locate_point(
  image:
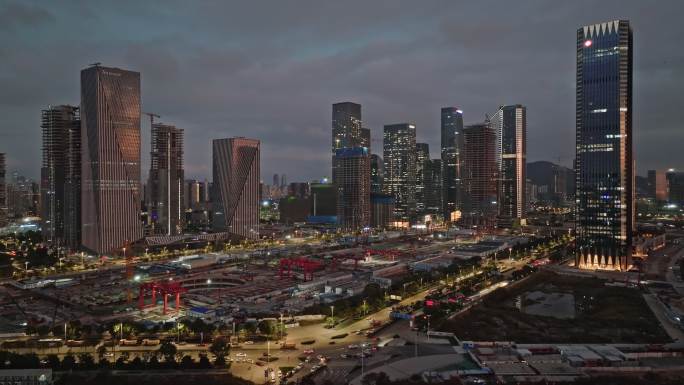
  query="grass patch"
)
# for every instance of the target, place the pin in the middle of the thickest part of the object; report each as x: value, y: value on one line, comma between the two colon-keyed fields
x: 308, y: 342
x: 338, y: 336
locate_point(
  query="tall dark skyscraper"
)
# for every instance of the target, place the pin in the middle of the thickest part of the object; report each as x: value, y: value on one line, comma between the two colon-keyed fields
x: 3, y: 190
x: 399, y: 158
x: 451, y: 147
x: 346, y: 128
x: 353, y: 187
x: 604, y: 162
x: 376, y: 173
x: 60, y: 175
x: 110, y: 139
x: 433, y: 187
x: 479, y: 174
x: 510, y: 124
x: 236, y: 168
x: 166, y: 178
x: 422, y: 177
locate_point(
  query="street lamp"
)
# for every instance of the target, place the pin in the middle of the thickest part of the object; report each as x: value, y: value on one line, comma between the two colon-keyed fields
x: 332, y: 314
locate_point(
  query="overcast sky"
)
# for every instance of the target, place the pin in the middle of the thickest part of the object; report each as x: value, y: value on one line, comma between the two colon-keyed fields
x: 271, y: 70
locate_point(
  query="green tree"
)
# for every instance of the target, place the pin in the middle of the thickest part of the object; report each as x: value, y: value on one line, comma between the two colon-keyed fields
x: 187, y: 362
x: 220, y: 348
x: 168, y: 350
x: 86, y: 361
x: 68, y: 362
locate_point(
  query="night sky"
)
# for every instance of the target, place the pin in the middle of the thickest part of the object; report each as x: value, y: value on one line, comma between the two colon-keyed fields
x: 271, y: 70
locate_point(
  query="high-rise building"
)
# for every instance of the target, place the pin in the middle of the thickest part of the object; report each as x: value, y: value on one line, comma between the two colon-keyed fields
x: 657, y: 185
x: 510, y: 125
x: 166, y: 178
x: 604, y: 162
x: 433, y: 187
x: 399, y: 168
x: 3, y: 190
x: 376, y: 173
x: 422, y: 177
x: 346, y: 128
x: 236, y: 167
x: 353, y: 187
x: 451, y: 147
x: 382, y: 210
x: 675, y: 187
x: 365, y: 139
x: 110, y: 142
x: 60, y: 175
x: 479, y: 174
x: 23, y: 197
x: 323, y: 203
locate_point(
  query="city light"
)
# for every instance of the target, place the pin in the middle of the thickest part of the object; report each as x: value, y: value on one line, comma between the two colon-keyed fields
x: 587, y: 43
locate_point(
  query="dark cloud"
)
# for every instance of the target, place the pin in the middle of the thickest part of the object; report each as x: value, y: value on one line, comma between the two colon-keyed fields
x: 271, y: 71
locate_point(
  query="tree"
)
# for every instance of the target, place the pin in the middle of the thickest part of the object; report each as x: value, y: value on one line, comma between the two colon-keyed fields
x: 136, y: 363
x: 101, y: 351
x: 53, y: 361
x: 204, y: 362
x: 86, y: 361
x: 168, y: 350
x: 68, y: 362
x: 187, y: 362
x: 220, y: 348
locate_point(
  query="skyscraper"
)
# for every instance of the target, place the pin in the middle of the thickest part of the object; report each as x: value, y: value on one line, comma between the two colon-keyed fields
x: 236, y: 168
x: 422, y: 177
x: 451, y: 147
x: 433, y: 187
x: 657, y: 185
x: 165, y: 181
x: 376, y: 173
x: 346, y: 128
x: 353, y: 187
x: 399, y: 158
x: 479, y: 174
x: 510, y: 125
x: 60, y: 175
x: 365, y: 139
x: 110, y: 139
x: 604, y: 162
x: 3, y: 190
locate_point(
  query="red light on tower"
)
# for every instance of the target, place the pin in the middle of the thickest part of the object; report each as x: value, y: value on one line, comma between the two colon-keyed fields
x: 587, y: 43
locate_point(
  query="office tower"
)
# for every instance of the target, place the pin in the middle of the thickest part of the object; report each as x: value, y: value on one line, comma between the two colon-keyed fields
x: 283, y: 181
x: 3, y: 190
x: 479, y: 174
x: 552, y: 183
x: 236, y: 168
x: 376, y: 173
x: 657, y: 185
x: 451, y: 147
x: 510, y: 125
x: 60, y: 175
x: 110, y: 161
x: 604, y: 162
x: 422, y: 177
x: 675, y: 187
x: 276, y: 180
x: 353, y: 187
x: 192, y: 195
x: 399, y: 166
x: 366, y: 139
x: 346, y: 128
x: 165, y: 181
x: 382, y: 210
x: 433, y: 187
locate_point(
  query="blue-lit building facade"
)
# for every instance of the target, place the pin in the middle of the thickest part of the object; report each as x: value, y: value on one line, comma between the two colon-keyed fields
x: 353, y: 187
x: 604, y: 163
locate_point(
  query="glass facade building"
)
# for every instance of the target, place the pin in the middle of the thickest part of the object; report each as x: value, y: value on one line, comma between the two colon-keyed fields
x: 399, y: 158
x: 604, y: 163
x: 510, y: 124
x: 451, y: 148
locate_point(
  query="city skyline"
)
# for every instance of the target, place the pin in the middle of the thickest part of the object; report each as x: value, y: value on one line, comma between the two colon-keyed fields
x: 208, y: 111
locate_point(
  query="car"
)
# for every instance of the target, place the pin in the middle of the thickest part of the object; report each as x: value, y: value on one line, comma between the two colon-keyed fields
x: 240, y: 354
x: 249, y: 342
x: 344, y: 355
x: 353, y: 346
x: 308, y: 351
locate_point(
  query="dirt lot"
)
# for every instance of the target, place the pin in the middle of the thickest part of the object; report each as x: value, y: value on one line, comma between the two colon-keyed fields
x: 604, y: 314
